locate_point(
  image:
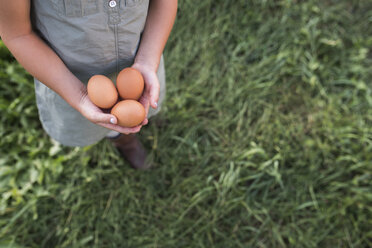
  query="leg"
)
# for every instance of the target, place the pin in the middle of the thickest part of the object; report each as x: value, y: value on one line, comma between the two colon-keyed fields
x: 132, y: 150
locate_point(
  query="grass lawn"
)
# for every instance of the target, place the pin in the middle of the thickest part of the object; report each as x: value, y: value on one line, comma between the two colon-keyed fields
x: 265, y: 140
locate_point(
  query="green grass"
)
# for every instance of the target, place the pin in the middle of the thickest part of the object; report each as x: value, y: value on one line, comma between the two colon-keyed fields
x: 265, y: 140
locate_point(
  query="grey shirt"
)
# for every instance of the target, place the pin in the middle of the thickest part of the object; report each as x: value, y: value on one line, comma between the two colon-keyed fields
x: 91, y: 37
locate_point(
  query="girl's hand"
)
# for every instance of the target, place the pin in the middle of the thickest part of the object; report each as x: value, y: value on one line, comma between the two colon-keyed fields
x: 150, y: 94
x: 97, y: 116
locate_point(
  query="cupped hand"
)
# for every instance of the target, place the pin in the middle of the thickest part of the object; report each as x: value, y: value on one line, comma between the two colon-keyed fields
x: 150, y: 94
x: 94, y: 114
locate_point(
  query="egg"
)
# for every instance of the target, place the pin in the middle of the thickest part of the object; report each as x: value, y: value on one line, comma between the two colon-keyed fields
x: 102, y: 91
x: 130, y: 84
x: 129, y: 113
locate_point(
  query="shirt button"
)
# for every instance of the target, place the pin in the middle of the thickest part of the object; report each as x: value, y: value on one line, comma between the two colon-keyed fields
x: 112, y: 4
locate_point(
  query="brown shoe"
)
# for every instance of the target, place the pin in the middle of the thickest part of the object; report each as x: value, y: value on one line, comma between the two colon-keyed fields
x: 131, y: 148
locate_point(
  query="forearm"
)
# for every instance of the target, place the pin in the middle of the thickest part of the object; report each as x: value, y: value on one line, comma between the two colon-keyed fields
x: 159, y: 23
x: 44, y: 64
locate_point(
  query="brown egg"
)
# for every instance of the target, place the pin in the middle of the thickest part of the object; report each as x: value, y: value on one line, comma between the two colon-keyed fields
x: 102, y: 91
x: 130, y: 84
x: 129, y: 113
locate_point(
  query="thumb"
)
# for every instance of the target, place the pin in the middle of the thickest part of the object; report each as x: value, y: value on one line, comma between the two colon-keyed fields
x: 106, y: 118
x: 154, y: 93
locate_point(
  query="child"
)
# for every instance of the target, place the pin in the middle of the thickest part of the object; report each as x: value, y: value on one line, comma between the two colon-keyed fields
x: 63, y: 43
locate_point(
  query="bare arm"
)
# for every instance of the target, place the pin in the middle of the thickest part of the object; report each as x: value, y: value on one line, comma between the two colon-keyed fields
x: 33, y: 54
x: 44, y: 64
x: 159, y: 23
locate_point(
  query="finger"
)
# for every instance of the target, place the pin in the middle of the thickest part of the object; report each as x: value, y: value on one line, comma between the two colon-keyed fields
x: 105, y: 118
x: 120, y: 130
x: 117, y: 128
x: 144, y: 100
x: 144, y: 122
x: 154, y: 93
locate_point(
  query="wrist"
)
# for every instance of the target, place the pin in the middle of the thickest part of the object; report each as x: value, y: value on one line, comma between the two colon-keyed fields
x: 76, y: 95
x: 82, y: 96
x: 150, y: 64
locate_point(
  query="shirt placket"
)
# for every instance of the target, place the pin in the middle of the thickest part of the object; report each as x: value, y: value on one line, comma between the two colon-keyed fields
x: 113, y: 10
x: 113, y: 20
